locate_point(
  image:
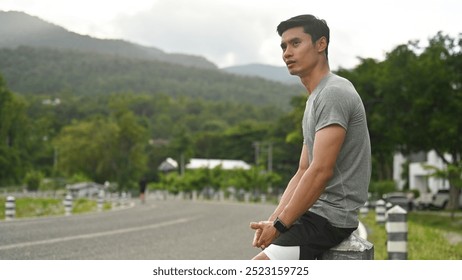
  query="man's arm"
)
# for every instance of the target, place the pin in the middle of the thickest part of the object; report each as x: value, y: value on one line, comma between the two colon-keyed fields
x: 327, y: 145
x: 292, y: 185
x: 286, y: 196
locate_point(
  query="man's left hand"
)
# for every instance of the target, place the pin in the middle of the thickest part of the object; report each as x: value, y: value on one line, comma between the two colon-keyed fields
x: 265, y: 234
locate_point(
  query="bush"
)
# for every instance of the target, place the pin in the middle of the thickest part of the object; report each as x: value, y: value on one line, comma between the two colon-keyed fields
x: 380, y: 188
x: 79, y: 177
x: 33, y: 180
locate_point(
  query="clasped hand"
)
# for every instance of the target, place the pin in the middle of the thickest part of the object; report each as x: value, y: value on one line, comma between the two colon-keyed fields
x: 265, y: 233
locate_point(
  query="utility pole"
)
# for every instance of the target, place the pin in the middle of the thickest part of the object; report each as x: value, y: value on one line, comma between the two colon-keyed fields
x: 182, y: 164
x: 260, y: 146
x: 257, y: 152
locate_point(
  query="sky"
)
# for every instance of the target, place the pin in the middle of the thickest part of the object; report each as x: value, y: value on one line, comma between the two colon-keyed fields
x: 239, y: 32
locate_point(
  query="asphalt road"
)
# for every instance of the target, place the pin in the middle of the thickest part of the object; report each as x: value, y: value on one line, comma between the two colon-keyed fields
x: 157, y: 230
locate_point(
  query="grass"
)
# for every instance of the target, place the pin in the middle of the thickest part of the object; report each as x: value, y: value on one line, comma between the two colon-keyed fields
x: 427, y: 236
x: 38, y: 207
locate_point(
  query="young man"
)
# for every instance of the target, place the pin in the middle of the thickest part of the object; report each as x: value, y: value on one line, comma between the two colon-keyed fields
x: 319, y: 207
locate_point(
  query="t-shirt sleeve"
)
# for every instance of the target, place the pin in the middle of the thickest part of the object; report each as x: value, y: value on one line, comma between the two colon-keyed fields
x: 332, y: 107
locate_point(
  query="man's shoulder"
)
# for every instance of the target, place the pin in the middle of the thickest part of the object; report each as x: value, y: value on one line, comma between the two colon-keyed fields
x: 336, y: 80
x: 338, y: 87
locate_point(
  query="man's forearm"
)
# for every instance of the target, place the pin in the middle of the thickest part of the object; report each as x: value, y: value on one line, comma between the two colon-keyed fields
x: 307, y: 192
x: 287, y: 195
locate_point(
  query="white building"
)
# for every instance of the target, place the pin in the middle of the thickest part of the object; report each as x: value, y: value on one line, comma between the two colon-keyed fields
x: 226, y: 164
x: 195, y: 163
x: 419, y: 177
x: 168, y: 165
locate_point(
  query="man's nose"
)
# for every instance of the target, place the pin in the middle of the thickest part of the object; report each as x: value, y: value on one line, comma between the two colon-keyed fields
x: 287, y: 53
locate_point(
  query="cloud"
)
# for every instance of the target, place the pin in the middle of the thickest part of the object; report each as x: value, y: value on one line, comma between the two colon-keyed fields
x: 230, y: 32
x: 225, y: 32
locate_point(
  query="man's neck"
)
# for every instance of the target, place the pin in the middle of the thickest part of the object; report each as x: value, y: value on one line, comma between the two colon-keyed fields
x: 312, y: 80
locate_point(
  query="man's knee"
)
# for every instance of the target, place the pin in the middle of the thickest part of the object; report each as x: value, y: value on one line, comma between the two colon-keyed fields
x: 261, y: 256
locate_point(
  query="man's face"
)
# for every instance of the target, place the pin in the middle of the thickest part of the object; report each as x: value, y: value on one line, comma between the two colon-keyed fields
x: 298, y: 51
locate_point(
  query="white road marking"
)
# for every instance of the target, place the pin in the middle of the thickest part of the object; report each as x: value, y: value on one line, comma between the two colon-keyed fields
x: 96, y: 234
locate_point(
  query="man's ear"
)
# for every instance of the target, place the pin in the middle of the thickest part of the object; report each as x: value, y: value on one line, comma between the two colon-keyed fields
x: 322, y: 44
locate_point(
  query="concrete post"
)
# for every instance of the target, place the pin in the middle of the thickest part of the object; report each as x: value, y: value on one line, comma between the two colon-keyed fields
x: 221, y: 196
x: 247, y: 197
x: 388, y: 206
x: 10, y: 208
x: 194, y: 195
x: 100, y: 200
x: 365, y: 209
x: 123, y: 199
x: 397, y: 233
x: 380, y: 212
x: 352, y: 248
x: 68, y: 205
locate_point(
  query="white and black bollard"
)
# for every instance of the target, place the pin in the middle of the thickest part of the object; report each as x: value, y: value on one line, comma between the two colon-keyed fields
x: 194, y: 195
x: 123, y: 199
x: 247, y: 197
x: 380, y: 212
x: 388, y: 206
x: 397, y: 233
x: 10, y: 208
x: 365, y: 209
x: 100, y: 200
x: 68, y: 205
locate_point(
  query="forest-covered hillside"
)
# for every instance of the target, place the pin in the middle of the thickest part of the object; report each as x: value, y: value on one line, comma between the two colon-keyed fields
x: 30, y: 70
x: 76, y: 105
x: 38, y: 57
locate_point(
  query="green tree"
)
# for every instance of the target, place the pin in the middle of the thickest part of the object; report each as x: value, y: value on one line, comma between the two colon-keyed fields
x: 33, y: 180
x: 130, y: 156
x: 14, y: 137
x: 88, y: 147
x: 423, y: 93
x: 441, y: 65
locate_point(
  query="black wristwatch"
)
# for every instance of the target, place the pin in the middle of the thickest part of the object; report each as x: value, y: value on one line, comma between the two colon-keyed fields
x: 280, y: 226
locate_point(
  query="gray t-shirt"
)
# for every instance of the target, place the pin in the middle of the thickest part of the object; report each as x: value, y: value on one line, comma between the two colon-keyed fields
x: 335, y: 101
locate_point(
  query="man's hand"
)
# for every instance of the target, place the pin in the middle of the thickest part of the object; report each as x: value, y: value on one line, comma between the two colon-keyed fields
x: 264, y: 235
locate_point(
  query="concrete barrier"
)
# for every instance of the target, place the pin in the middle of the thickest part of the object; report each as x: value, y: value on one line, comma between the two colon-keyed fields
x: 364, y: 210
x: 352, y: 248
x: 380, y: 212
x: 10, y: 208
x: 68, y: 205
x: 100, y: 202
x: 397, y: 233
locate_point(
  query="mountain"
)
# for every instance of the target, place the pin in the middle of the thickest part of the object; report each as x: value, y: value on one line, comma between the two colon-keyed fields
x: 45, y: 71
x: 20, y: 29
x: 37, y: 57
x: 268, y: 72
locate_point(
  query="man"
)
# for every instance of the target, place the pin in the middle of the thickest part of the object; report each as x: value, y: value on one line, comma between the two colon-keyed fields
x: 142, y: 183
x: 319, y: 207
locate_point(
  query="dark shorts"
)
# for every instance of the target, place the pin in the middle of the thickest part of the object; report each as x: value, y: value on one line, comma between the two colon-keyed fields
x: 314, y: 234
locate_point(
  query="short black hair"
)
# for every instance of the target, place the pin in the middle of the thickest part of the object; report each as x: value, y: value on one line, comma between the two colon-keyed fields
x: 313, y: 26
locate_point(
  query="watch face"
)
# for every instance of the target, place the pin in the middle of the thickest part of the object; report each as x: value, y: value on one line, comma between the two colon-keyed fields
x: 279, y: 226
